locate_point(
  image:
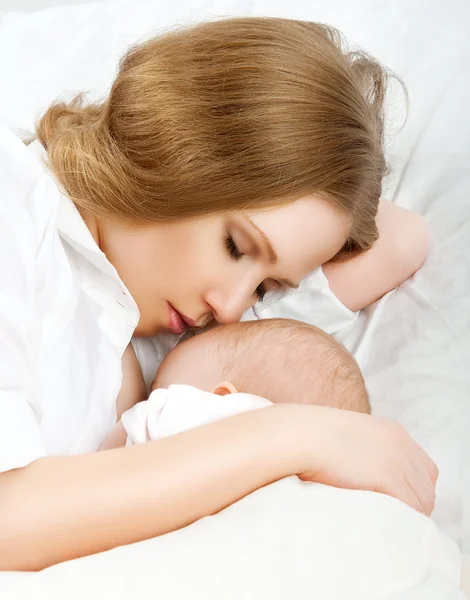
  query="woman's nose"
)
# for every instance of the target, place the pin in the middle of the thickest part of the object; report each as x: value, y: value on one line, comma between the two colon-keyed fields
x: 227, y: 307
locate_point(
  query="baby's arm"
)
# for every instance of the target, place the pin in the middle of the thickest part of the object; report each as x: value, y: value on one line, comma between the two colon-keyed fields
x: 398, y: 253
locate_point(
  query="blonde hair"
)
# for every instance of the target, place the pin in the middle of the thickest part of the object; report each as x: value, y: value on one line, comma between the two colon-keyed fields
x: 288, y: 361
x: 228, y: 115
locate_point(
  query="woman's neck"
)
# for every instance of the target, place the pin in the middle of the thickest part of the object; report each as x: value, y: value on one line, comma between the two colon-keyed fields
x: 92, y: 223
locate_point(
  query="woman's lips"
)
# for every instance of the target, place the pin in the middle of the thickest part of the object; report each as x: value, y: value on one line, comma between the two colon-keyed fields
x: 178, y: 323
x: 188, y: 322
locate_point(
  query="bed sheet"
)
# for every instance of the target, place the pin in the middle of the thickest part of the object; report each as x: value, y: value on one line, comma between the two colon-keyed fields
x: 413, y: 345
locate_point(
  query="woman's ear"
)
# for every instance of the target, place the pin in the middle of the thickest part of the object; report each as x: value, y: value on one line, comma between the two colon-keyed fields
x: 224, y: 388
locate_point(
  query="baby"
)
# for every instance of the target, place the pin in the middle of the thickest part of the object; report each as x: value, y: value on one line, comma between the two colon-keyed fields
x: 257, y: 363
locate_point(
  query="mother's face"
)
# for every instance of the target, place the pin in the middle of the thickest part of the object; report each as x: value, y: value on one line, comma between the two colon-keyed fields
x: 189, y: 272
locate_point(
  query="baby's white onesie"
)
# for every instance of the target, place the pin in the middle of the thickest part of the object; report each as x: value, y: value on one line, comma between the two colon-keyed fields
x: 181, y: 407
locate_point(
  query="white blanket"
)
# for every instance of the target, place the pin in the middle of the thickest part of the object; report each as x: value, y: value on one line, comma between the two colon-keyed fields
x: 414, y: 346
x: 280, y: 543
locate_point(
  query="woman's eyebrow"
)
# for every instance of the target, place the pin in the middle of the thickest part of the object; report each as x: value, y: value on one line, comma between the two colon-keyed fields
x: 269, y: 247
x: 271, y: 252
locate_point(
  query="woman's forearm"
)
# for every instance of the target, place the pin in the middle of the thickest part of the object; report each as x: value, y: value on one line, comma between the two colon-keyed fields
x: 62, y: 508
x: 398, y: 253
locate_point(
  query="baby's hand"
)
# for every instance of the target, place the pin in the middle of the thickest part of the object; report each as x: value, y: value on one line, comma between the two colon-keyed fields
x: 357, y: 451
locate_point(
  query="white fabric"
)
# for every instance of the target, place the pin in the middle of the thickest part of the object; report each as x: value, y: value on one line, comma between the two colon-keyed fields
x: 312, y: 302
x: 465, y: 574
x: 65, y: 318
x: 181, y: 407
x: 290, y: 540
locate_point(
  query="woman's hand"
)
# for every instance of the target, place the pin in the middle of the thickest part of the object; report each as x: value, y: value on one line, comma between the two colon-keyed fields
x: 357, y: 451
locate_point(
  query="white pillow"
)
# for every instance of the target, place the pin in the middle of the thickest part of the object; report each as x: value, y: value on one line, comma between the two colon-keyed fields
x: 290, y: 540
x: 76, y: 48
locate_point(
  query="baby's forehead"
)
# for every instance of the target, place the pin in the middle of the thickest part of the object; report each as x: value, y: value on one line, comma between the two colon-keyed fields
x: 244, y: 344
x: 202, y: 346
x: 215, y: 349
x: 272, y: 339
x: 252, y: 336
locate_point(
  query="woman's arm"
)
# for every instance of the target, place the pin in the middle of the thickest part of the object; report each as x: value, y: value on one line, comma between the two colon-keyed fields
x: 61, y: 508
x: 398, y: 253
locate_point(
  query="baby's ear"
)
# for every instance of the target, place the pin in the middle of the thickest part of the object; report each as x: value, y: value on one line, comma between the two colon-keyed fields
x: 224, y: 388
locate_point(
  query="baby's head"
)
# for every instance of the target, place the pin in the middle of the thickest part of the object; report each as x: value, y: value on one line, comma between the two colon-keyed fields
x: 279, y: 359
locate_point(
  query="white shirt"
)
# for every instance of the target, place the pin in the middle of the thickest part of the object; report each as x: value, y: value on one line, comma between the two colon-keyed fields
x: 65, y: 317
x: 182, y: 407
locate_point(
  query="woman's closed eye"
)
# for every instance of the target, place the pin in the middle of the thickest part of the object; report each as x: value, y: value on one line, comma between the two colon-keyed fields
x: 268, y: 285
x: 232, y: 248
x: 235, y: 254
x: 260, y: 292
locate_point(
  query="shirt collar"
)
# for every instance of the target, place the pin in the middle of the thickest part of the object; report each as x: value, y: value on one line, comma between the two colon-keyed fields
x: 71, y: 226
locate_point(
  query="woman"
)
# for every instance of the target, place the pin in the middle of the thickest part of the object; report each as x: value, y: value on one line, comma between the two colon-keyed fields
x: 229, y: 159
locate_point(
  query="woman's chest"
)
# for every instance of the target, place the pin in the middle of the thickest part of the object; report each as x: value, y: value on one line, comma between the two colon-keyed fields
x: 84, y: 333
